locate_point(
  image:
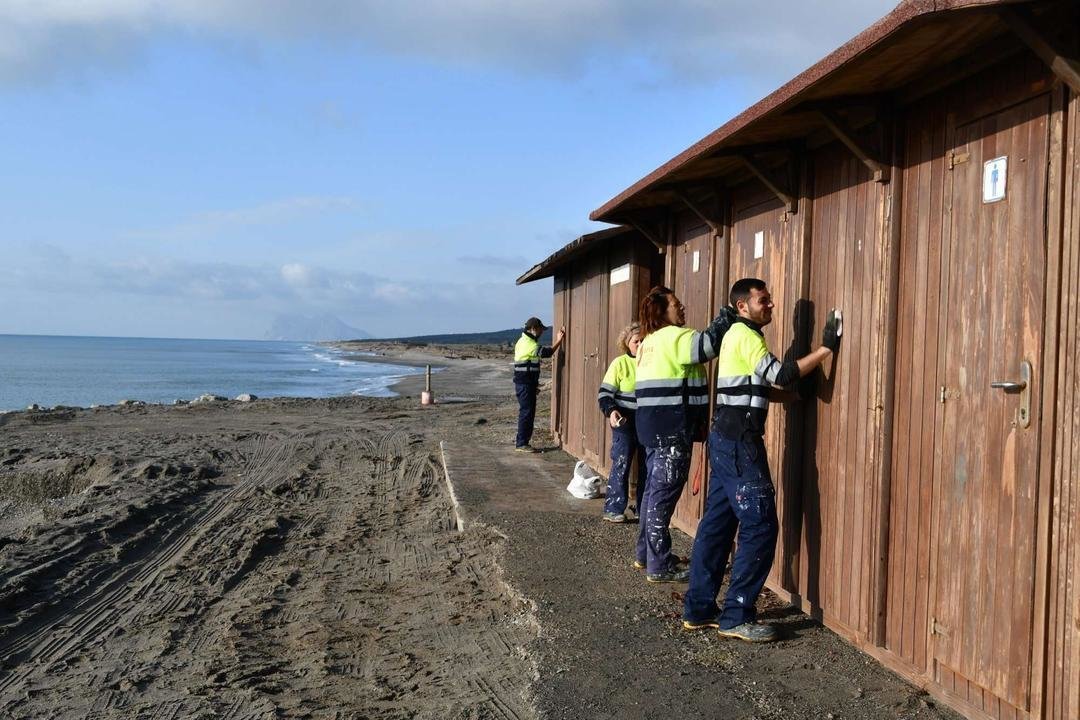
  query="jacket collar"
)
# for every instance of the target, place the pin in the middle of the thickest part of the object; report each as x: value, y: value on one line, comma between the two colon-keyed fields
x: 750, y: 324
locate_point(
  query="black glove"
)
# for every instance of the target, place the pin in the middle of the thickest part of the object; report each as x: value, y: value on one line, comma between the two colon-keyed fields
x: 834, y: 328
x: 715, y: 332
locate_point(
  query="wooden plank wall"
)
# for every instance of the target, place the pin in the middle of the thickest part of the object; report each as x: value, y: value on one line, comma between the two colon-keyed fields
x: 583, y: 293
x: 560, y: 388
x: 574, y: 353
x: 595, y: 324
x: 915, y: 403
x: 1063, y: 617
x: 621, y: 309
x: 756, y: 210
x: 848, y: 269
x: 692, y: 287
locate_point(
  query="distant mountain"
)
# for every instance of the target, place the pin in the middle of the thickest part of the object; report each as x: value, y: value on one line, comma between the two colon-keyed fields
x: 495, y: 337
x: 313, y: 328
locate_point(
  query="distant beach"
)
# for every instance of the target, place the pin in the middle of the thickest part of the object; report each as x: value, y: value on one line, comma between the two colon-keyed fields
x: 84, y: 371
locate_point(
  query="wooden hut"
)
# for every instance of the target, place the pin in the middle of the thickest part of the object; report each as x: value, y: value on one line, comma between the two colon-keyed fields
x: 924, y: 177
x: 599, y: 280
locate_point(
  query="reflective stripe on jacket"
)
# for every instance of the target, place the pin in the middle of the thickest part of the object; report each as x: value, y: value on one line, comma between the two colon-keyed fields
x: 527, y: 354
x: 617, y: 387
x: 671, y: 389
x: 745, y: 373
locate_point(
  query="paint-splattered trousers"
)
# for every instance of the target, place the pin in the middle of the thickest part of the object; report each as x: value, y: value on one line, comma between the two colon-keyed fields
x: 668, y: 469
x: 624, y: 448
x: 526, y: 395
x: 741, y: 499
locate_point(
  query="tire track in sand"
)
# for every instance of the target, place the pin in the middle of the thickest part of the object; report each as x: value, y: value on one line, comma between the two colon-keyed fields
x: 106, y: 606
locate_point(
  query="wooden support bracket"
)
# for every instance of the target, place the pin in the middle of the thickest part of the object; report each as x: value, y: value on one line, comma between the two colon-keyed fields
x: 714, y: 224
x: 1066, y: 65
x: 844, y: 135
x: 650, y: 234
x: 789, y: 200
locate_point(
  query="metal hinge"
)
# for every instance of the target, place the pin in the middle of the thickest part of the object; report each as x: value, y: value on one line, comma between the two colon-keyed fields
x: 958, y: 158
x: 945, y: 393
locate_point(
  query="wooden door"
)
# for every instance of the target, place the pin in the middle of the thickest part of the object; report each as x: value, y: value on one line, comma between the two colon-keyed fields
x: 761, y: 247
x: 692, y: 262
x: 987, y: 470
x: 593, y: 324
x: 573, y: 351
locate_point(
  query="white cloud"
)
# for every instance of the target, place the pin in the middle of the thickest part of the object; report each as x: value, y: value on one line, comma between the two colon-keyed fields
x: 677, y: 40
x: 274, y: 213
x: 395, y: 293
x: 297, y: 275
x: 201, y: 292
x: 512, y: 262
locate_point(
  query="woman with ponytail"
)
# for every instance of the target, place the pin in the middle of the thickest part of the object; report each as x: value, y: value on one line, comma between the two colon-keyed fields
x: 672, y: 398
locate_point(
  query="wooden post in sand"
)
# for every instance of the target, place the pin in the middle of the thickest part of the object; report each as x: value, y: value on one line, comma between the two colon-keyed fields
x: 426, y: 398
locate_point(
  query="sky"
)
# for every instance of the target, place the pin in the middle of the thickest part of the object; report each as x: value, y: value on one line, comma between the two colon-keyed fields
x: 198, y: 168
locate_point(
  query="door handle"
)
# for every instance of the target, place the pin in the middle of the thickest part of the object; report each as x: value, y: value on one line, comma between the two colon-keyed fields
x: 1023, y: 387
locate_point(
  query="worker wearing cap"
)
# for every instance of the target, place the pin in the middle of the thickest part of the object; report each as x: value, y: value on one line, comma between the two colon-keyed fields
x: 527, y: 354
x: 741, y: 495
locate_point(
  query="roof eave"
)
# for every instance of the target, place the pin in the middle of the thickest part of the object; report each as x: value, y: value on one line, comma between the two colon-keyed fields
x: 791, y: 92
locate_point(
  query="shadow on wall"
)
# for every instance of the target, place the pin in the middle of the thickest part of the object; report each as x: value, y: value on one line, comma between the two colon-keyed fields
x: 802, y: 496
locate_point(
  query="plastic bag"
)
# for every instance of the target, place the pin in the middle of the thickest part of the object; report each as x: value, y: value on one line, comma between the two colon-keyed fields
x: 585, y: 484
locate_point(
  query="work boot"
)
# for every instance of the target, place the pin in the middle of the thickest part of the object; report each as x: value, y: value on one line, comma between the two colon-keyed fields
x: 751, y: 632
x: 525, y: 448
x: 672, y: 575
x: 614, y: 517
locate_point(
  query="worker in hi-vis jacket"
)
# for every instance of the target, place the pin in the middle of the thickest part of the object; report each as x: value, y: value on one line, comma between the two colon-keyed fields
x: 672, y: 410
x: 618, y: 404
x: 527, y: 354
x: 741, y: 498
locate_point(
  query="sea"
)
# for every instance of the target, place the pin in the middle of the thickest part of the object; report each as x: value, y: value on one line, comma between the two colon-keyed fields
x: 52, y: 370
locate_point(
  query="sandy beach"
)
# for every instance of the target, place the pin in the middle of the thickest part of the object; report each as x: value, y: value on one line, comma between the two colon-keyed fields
x: 301, y: 559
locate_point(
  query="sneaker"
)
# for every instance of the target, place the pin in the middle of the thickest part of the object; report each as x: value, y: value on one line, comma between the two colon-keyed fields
x: 674, y: 575
x: 614, y: 517
x: 525, y: 449
x: 638, y: 564
x: 713, y: 622
x: 751, y: 632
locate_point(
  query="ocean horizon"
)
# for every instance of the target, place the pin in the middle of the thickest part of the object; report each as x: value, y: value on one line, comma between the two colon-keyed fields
x: 81, y: 371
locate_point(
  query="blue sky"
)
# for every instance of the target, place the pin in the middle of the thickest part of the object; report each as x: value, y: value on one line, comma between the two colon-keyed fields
x: 194, y: 169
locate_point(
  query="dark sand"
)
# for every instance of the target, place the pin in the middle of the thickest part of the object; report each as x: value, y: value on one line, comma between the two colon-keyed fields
x: 300, y: 558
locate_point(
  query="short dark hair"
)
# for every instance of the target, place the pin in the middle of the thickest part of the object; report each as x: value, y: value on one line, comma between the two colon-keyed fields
x: 740, y: 291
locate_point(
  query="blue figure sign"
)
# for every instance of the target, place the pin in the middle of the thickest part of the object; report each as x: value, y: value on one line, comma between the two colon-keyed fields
x: 995, y: 176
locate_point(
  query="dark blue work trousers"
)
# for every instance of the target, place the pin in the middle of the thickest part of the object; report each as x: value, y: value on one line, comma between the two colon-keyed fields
x: 668, y: 469
x: 526, y: 395
x: 741, y: 500
x: 624, y: 448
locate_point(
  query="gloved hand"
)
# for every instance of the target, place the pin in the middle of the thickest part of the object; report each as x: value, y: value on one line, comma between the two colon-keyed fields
x: 721, y: 324
x: 834, y: 328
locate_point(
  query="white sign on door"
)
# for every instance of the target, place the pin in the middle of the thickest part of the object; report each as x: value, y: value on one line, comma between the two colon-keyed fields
x: 759, y: 244
x: 697, y: 260
x: 620, y: 274
x: 995, y: 173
